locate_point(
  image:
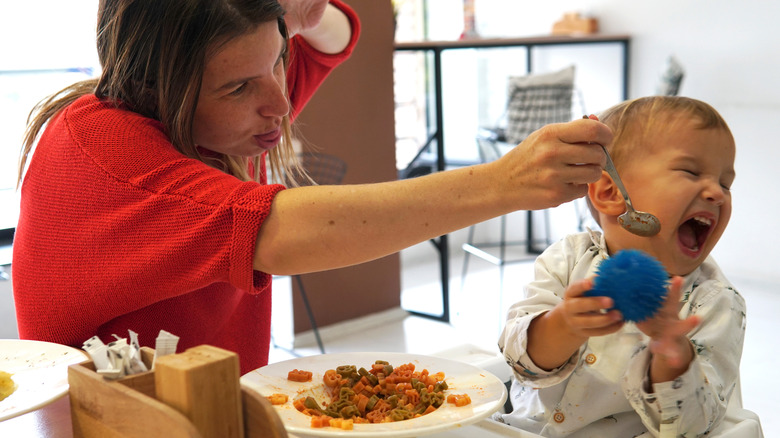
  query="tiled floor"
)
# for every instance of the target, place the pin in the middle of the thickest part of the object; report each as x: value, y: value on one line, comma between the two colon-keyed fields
x: 477, y: 320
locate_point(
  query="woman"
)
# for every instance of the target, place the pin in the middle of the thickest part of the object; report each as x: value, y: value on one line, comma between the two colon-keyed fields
x: 146, y: 205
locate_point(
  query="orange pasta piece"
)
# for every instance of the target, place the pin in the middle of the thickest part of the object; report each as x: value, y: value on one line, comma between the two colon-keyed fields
x: 413, y: 396
x: 331, y: 378
x: 277, y: 399
x: 361, y: 404
x: 375, y: 416
x: 299, y: 376
x: 320, y: 421
x: 342, y: 424
x: 459, y: 399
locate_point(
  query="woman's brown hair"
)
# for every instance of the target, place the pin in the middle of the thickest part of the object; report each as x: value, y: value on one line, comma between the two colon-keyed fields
x: 153, y: 54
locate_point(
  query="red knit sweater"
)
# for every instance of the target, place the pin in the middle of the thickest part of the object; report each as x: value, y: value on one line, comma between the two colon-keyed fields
x: 119, y: 231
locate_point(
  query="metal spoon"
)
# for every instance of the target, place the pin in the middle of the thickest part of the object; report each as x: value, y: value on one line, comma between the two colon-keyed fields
x: 637, y: 222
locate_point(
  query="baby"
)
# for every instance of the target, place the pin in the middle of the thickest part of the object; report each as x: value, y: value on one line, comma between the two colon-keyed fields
x: 580, y: 371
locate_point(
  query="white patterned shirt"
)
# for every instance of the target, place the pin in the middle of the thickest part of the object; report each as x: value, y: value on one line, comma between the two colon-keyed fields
x: 599, y: 391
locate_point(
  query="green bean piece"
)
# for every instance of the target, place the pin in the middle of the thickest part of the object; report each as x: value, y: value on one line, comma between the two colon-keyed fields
x: 371, y: 403
x: 348, y: 372
x: 399, y: 414
x: 425, y: 397
x: 393, y: 400
x: 334, y: 409
x: 437, y: 399
x: 346, y: 393
x: 382, y: 362
x: 310, y: 403
x: 349, y: 411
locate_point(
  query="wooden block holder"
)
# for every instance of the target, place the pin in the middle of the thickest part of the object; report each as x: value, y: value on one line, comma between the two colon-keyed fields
x: 129, y: 407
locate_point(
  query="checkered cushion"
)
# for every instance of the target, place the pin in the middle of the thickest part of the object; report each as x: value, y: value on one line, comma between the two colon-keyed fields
x: 537, y: 100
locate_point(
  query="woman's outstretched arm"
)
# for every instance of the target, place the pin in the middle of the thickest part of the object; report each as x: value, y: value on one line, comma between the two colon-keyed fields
x: 325, y: 227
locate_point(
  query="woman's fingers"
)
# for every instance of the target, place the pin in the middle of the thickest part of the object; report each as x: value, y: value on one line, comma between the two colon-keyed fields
x: 586, y: 131
x: 555, y: 163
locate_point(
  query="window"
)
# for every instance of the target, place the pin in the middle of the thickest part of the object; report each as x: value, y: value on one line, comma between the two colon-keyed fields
x: 42, y: 52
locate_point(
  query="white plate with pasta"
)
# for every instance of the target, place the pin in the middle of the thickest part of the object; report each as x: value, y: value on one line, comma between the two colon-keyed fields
x: 40, y: 372
x: 486, y: 391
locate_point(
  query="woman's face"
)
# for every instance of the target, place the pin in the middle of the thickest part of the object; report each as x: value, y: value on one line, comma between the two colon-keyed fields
x: 243, y: 95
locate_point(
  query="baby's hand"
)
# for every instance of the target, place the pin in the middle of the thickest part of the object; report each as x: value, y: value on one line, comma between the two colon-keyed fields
x: 668, y: 332
x: 588, y: 316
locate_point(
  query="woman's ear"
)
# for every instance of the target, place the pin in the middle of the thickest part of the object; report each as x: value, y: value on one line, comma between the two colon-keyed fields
x: 605, y: 196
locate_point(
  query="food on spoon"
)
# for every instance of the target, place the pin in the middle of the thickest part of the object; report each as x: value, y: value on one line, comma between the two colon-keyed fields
x: 7, y: 385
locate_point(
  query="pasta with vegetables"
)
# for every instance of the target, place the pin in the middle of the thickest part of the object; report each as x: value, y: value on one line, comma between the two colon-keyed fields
x: 381, y: 394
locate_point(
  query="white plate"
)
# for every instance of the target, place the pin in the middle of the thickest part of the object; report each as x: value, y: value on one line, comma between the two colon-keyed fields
x: 486, y: 391
x: 40, y: 370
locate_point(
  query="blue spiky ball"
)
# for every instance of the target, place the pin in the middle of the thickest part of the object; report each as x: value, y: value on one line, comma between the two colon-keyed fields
x: 635, y: 281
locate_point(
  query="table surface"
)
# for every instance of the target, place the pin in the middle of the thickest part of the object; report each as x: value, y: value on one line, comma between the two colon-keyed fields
x: 53, y: 421
x: 50, y: 421
x: 502, y: 42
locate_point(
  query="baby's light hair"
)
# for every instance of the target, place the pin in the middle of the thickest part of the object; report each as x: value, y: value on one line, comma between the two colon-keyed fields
x: 635, y: 122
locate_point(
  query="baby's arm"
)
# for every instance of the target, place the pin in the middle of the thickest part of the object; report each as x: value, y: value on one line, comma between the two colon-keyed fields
x: 671, y: 350
x: 554, y: 336
x: 537, y: 325
x: 695, y: 401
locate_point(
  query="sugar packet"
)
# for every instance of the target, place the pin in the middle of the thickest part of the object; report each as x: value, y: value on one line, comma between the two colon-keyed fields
x: 121, y: 358
x: 165, y: 344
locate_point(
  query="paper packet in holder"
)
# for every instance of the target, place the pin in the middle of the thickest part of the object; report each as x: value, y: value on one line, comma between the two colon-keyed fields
x: 120, y: 358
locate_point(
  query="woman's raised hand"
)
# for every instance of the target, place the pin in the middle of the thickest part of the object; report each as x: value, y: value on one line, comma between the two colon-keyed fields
x: 302, y: 15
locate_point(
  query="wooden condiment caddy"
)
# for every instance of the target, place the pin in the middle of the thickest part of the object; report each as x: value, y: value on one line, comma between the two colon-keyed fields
x: 194, y: 394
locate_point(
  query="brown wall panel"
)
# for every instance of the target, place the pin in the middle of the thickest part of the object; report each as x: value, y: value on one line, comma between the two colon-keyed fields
x: 351, y: 116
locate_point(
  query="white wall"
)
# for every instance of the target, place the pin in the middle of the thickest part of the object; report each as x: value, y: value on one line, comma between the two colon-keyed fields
x: 729, y: 51
x: 728, y: 48
x: 42, y: 43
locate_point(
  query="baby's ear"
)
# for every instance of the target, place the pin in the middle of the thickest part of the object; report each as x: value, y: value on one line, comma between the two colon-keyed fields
x: 605, y: 196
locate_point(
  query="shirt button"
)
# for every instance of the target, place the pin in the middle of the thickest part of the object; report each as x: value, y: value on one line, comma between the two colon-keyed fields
x: 590, y: 359
x: 558, y: 417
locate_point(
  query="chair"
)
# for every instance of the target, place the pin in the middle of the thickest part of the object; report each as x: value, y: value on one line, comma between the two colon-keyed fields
x: 323, y: 169
x: 738, y: 422
x: 671, y: 78
x: 534, y: 101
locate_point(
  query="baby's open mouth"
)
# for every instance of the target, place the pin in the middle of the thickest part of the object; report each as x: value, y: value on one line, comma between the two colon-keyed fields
x: 693, y: 232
